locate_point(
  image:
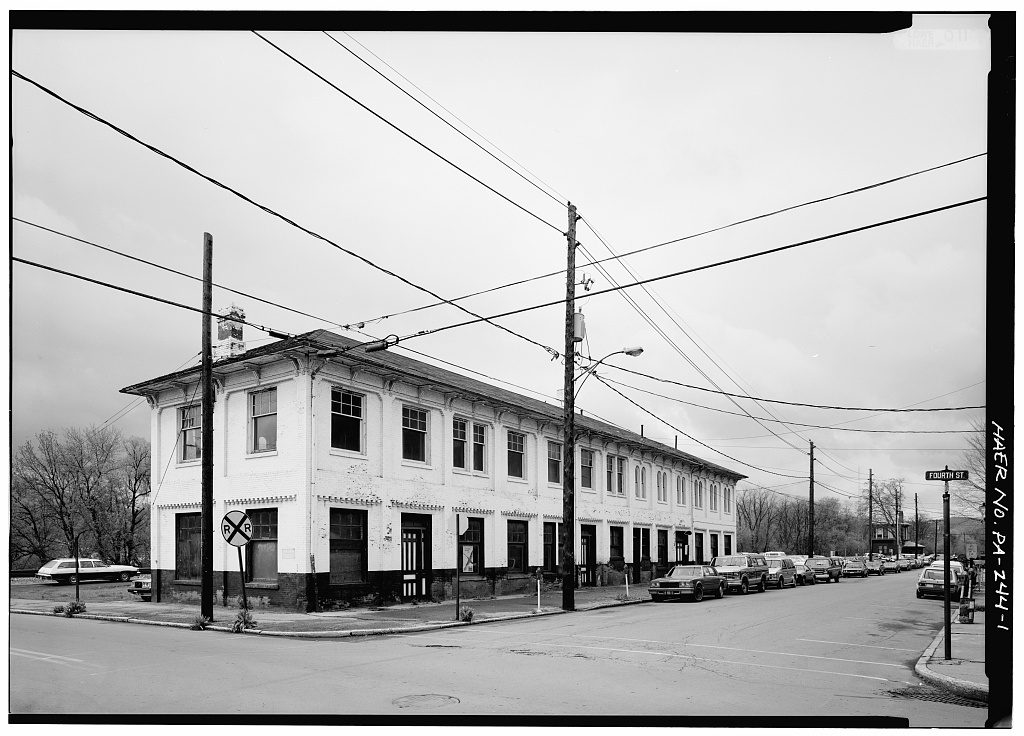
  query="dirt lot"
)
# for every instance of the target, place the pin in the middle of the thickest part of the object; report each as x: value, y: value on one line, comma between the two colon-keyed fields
x: 90, y: 590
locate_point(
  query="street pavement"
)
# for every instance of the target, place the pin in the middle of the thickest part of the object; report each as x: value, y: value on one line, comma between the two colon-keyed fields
x: 964, y: 674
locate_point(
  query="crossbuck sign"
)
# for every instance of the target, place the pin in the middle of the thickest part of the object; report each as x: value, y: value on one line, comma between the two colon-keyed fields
x: 236, y: 528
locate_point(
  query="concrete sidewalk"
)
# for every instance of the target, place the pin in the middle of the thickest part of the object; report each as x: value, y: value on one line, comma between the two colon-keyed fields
x: 964, y: 674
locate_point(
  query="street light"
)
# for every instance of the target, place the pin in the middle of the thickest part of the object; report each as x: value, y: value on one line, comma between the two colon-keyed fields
x: 631, y: 352
x: 569, y: 461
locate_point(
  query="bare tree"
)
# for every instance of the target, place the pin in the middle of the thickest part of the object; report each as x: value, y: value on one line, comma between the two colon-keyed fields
x: 757, y: 510
x: 89, y: 485
x: 968, y: 496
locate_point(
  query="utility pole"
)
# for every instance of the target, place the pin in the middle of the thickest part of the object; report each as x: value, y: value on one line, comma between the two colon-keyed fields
x: 206, y: 601
x: 810, y: 532
x: 569, y: 427
x: 870, y: 494
x: 899, y: 547
x: 917, y: 525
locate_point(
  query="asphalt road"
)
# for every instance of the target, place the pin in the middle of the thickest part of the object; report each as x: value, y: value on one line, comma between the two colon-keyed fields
x: 841, y: 649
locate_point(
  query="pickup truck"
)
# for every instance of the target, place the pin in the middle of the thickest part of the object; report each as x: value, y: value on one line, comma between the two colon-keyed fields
x: 742, y: 571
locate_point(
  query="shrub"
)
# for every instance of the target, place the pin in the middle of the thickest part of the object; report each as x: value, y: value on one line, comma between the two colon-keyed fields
x: 200, y: 623
x: 466, y: 614
x: 243, y: 620
x: 70, y: 609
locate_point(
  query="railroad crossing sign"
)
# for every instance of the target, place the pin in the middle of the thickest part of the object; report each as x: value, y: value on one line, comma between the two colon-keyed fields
x: 946, y: 474
x: 236, y: 528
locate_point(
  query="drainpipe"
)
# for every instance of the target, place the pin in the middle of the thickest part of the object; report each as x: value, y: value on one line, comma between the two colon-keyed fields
x: 311, y: 479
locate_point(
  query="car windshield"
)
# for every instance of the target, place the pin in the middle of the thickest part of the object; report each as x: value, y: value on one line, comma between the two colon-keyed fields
x: 774, y: 562
x: 817, y: 563
x: 727, y: 561
x: 51, y: 563
x: 853, y: 563
x: 685, y: 572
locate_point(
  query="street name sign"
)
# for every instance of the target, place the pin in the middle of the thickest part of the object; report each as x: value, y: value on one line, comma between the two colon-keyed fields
x: 236, y: 528
x: 945, y: 475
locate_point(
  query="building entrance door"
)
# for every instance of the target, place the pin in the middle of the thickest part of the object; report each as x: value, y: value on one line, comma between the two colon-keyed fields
x: 588, y: 553
x: 415, y: 556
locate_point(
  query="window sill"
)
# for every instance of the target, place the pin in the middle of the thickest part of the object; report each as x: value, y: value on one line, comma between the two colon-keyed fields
x: 470, y: 473
x: 514, y: 479
x: 254, y: 585
x: 265, y: 453
x: 189, y: 463
x: 354, y: 454
x: 422, y: 465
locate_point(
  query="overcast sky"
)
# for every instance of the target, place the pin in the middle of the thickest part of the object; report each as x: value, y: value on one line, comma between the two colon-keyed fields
x: 654, y: 137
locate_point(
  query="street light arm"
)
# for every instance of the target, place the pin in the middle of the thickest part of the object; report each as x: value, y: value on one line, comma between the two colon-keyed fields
x: 631, y: 352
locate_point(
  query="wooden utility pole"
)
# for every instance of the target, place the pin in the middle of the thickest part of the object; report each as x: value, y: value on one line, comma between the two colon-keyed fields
x: 899, y: 547
x: 870, y: 535
x: 569, y: 427
x: 810, y: 531
x: 917, y: 524
x: 206, y: 602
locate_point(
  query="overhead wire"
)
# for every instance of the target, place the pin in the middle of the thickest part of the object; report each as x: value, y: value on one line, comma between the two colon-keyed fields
x: 274, y: 213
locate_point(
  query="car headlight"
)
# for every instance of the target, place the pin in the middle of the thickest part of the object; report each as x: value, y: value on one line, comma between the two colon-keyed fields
x: 655, y: 584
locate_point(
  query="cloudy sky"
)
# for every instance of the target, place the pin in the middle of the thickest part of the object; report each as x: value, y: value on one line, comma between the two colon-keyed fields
x: 655, y: 137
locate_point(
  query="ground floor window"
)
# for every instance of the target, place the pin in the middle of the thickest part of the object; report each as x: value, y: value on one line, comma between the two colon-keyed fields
x: 471, y: 547
x: 663, y: 545
x: 262, y: 548
x: 615, y: 548
x: 698, y: 547
x: 714, y: 546
x: 518, y: 547
x: 728, y: 544
x: 348, y: 546
x: 552, y: 546
x: 188, y: 546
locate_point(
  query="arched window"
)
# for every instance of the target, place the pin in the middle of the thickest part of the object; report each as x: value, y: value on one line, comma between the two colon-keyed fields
x: 680, y: 490
x: 636, y: 481
x: 643, y: 482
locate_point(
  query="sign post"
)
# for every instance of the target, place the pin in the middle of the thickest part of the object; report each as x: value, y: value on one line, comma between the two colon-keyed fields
x: 946, y: 475
x: 237, y: 530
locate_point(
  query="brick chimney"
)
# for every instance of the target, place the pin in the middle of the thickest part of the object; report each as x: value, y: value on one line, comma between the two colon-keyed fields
x: 229, y: 333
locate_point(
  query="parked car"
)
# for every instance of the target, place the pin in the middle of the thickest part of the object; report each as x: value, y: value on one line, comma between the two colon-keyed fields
x: 874, y: 567
x: 825, y: 568
x: 855, y: 567
x: 954, y: 567
x: 692, y: 581
x: 769, y: 555
x: 804, y: 575
x: 62, y: 570
x: 931, y: 583
x: 889, y: 564
x: 142, y: 586
x: 743, y: 571
x: 904, y: 563
x: 781, y: 572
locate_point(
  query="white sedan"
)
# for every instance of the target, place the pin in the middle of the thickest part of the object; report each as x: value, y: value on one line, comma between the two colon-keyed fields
x: 63, y: 570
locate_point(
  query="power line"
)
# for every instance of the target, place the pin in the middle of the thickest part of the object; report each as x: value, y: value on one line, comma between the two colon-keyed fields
x: 407, y: 135
x: 262, y: 328
x: 797, y: 424
x: 648, y: 411
x: 679, y: 240
x: 274, y: 213
x: 418, y: 102
x: 703, y: 268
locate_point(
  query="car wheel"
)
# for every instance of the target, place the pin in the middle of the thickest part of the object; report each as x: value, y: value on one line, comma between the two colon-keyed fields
x: 763, y: 585
x: 71, y: 579
x: 744, y: 587
x: 720, y: 592
x: 698, y: 593
x: 919, y: 595
x: 782, y: 583
x: 125, y: 576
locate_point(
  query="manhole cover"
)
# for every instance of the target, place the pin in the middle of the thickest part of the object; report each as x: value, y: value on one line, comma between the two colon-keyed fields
x: 425, y: 701
x: 936, y: 696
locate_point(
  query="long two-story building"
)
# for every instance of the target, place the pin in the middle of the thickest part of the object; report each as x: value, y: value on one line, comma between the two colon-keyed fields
x: 355, y: 469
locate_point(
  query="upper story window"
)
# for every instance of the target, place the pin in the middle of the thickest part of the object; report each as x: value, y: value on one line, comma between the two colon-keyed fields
x: 636, y: 481
x: 346, y: 420
x: 479, y: 445
x: 554, y: 462
x: 698, y: 494
x: 263, y: 415
x: 190, y: 422
x: 615, y: 469
x: 641, y: 488
x: 586, y: 468
x: 459, y: 443
x: 414, y: 434
x: 680, y: 490
x: 713, y: 493
x: 516, y: 454
x: 727, y: 501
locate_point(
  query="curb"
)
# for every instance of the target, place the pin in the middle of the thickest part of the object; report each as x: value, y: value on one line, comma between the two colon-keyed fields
x: 970, y: 690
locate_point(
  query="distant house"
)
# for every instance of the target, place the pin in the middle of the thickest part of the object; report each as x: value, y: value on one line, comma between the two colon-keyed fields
x: 884, y: 541
x: 357, y: 464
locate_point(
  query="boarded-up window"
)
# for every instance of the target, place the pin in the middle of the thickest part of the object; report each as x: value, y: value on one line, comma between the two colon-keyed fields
x: 348, y: 546
x: 188, y: 546
x: 262, y: 548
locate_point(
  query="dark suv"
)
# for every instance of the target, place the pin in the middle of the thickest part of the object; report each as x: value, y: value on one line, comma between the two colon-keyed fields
x: 742, y: 571
x: 824, y: 568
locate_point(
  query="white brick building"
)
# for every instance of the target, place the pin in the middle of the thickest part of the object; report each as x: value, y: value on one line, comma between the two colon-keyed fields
x: 358, y: 464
